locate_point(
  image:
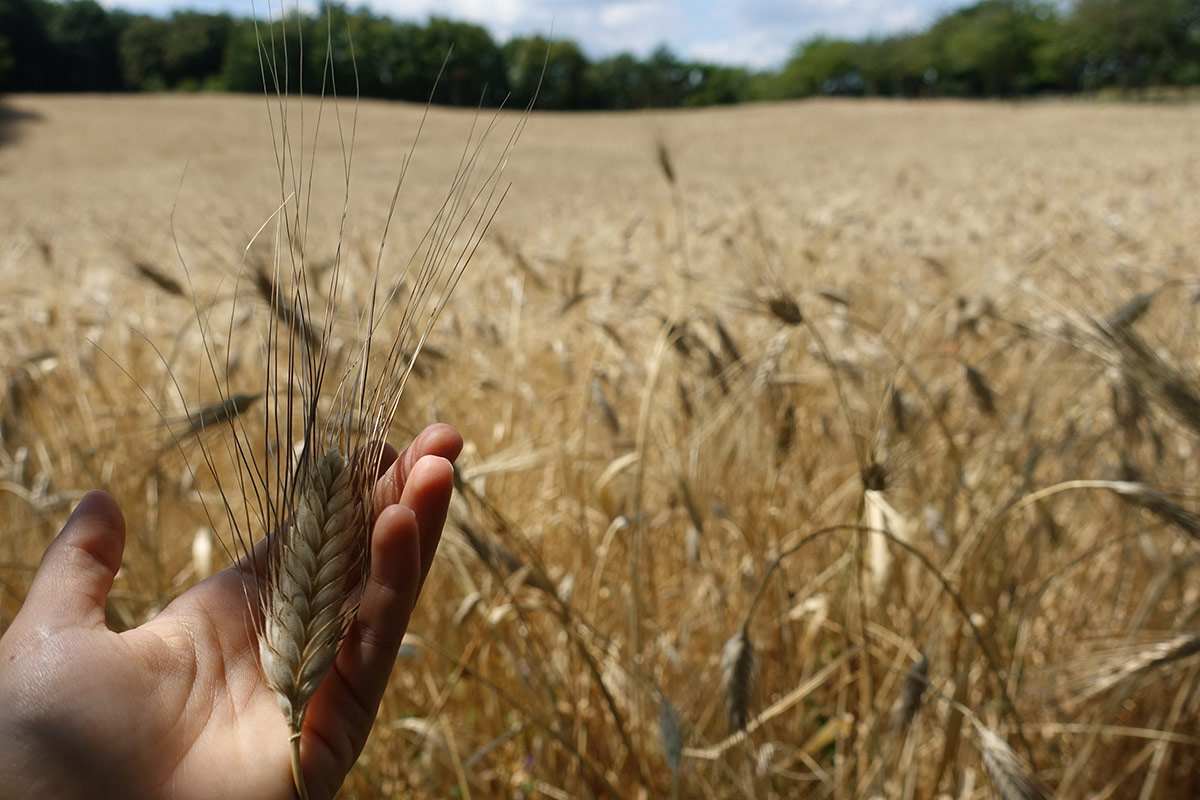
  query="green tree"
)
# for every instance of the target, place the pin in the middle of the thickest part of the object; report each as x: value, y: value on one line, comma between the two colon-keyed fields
x: 713, y: 84
x: 84, y: 43
x: 401, y: 68
x: 193, y: 47
x: 354, y: 48
x: 267, y: 56
x: 1133, y: 43
x: 624, y: 81
x: 6, y: 60
x: 820, y: 65
x: 898, y: 66
x: 667, y: 77
x: 616, y: 82
x: 564, y: 81
x: 989, y: 48
x: 474, y: 71
x: 31, y: 59
x: 346, y: 52
x: 140, y: 51
x: 1057, y: 61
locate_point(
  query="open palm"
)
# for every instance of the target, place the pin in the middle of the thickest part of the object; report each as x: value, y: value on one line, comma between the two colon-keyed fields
x: 178, y: 707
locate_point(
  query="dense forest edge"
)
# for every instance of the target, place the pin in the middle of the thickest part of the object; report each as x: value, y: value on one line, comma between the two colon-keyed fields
x: 994, y: 48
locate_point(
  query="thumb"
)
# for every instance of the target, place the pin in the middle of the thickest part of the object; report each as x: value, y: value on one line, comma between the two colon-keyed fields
x: 77, y: 570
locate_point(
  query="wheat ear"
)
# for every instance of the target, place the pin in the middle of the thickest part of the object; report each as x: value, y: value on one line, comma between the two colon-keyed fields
x: 1009, y: 777
x: 314, y: 570
x: 915, y: 685
x: 739, y: 665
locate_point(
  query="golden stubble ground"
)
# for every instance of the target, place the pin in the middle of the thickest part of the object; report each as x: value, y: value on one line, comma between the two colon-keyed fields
x: 650, y: 426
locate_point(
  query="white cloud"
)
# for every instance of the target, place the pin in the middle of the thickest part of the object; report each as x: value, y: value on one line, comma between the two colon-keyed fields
x: 903, y: 18
x: 639, y: 26
x: 763, y: 34
x: 754, y: 49
x: 624, y: 15
x: 851, y: 18
x: 601, y: 27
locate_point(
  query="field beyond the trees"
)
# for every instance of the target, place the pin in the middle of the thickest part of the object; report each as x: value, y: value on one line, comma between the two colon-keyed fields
x: 761, y: 404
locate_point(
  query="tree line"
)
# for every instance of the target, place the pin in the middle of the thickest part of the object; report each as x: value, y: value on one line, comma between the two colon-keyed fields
x: 994, y: 48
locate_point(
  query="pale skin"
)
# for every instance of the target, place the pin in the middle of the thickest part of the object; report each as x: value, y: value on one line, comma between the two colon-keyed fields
x: 177, y: 708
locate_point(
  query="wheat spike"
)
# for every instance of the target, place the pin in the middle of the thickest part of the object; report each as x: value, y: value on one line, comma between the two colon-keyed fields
x: 685, y: 399
x: 1160, y: 377
x: 223, y: 411
x: 985, y: 398
x: 883, y: 522
x: 910, y: 695
x: 728, y: 346
x: 898, y: 411
x: 785, y: 309
x: 763, y: 759
x: 1131, y: 312
x: 607, y: 412
x: 1157, y: 503
x: 739, y: 663
x: 314, y: 570
x: 672, y: 742
x: 1128, y: 402
x: 465, y: 607
x: 159, y: 278
x: 1156, y: 655
x: 1005, y: 769
x: 691, y: 544
x: 664, y: 161
x: 785, y: 432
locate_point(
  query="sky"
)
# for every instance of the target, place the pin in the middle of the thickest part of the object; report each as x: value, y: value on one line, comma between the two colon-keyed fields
x: 756, y: 33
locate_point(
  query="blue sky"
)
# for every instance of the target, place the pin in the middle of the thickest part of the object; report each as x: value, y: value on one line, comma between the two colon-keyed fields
x: 758, y: 33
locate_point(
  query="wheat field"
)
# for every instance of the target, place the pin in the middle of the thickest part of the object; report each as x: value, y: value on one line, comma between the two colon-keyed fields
x: 762, y: 406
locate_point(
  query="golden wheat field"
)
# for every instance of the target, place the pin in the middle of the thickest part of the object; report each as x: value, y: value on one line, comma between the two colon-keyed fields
x: 762, y: 407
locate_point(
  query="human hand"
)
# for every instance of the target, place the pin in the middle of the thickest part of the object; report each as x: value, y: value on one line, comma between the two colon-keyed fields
x: 178, y: 707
